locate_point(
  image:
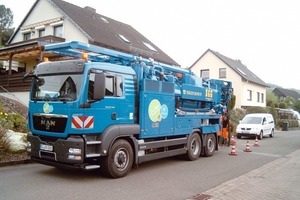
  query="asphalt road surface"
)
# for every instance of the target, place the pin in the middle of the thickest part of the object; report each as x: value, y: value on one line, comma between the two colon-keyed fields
x: 166, y: 179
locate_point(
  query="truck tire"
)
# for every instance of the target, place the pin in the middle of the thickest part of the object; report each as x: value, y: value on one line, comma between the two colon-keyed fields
x: 119, y: 161
x: 210, y: 145
x: 194, y: 147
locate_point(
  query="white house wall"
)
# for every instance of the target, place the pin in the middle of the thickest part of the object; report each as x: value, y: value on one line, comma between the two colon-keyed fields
x: 256, y: 90
x: 42, y: 12
x: 213, y: 63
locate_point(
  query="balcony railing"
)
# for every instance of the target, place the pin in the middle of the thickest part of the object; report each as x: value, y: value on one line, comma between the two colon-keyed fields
x: 14, y: 83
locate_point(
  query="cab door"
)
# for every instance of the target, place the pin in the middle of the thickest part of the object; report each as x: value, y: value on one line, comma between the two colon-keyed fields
x: 266, y: 126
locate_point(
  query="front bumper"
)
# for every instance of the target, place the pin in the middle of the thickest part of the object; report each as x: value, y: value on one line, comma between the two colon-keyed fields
x: 247, y: 134
x: 57, y: 151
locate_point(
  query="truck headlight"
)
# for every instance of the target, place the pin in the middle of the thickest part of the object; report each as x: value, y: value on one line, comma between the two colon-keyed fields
x: 74, y: 151
x: 73, y: 157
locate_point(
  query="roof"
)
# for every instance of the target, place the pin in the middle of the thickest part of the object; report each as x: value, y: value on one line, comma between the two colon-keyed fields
x: 238, y: 67
x: 286, y: 93
x: 107, y: 32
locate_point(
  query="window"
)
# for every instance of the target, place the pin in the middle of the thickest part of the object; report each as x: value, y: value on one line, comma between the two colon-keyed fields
x: 58, y: 31
x: 149, y: 46
x: 222, y: 73
x: 26, y: 36
x: 258, y: 97
x: 262, y: 98
x: 109, y: 84
x: 123, y: 38
x: 113, y: 86
x: 204, y: 73
x: 41, y: 32
x: 104, y: 20
x: 241, y: 71
x: 119, y: 86
x: 249, y: 98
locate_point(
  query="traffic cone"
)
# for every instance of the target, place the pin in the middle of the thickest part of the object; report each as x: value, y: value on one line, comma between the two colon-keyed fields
x: 232, y: 152
x: 256, y: 143
x: 232, y: 141
x: 247, y: 147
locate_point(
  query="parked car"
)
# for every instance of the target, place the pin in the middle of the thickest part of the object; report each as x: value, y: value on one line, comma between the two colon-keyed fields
x: 256, y: 125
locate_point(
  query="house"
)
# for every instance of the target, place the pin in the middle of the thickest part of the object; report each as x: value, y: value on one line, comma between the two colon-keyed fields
x: 52, y: 21
x: 282, y: 93
x: 248, y: 88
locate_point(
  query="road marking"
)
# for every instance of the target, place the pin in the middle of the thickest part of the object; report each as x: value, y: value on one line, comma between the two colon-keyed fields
x: 267, y: 154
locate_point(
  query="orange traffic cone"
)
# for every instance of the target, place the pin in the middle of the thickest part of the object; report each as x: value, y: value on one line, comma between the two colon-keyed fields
x: 247, y: 147
x: 256, y: 142
x: 233, y: 153
x: 232, y: 141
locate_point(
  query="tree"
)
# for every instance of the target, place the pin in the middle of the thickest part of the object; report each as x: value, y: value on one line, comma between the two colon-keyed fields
x: 297, y: 105
x: 272, y: 99
x: 289, y: 101
x: 282, y: 105
x: 6, y: 20
x: 231, y: 103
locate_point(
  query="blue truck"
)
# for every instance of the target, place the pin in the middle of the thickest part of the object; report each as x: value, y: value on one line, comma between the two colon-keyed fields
x: 96, y: 108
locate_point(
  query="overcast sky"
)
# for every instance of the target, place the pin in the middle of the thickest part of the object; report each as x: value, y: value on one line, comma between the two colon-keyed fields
x: 263, y: 34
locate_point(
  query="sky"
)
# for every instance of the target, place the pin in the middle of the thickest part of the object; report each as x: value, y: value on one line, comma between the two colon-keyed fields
x: 263, y: 34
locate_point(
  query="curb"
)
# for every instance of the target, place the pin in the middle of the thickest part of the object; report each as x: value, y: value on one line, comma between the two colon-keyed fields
x: 15, y: 162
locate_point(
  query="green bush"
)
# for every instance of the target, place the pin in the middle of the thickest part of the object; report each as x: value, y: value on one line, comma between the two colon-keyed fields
x: 292, y: 122
x: 256, y: 110
x: 235, y: 116
x: 13, y: 122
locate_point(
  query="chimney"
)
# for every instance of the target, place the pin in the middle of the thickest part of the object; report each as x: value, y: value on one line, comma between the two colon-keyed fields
x: 90, y: 9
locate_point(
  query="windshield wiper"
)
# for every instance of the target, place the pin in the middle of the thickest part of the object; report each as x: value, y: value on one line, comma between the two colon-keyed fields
x: 65, y: 98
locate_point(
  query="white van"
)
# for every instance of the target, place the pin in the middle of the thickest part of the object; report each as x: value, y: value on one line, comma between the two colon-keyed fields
x: 256, y: 125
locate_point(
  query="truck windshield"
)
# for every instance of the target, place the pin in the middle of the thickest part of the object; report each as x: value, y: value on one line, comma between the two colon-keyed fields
x: 56, y: 88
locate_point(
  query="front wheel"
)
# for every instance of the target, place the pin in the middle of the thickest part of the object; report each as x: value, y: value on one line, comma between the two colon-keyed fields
x: 119, y: 161
x: 260, y: 137
x: 272, y: 133
x: 194, y: 147
x: 210, y: 145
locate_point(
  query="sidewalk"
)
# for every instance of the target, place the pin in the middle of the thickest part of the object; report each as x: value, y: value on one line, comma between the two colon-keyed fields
x: 279, y: 179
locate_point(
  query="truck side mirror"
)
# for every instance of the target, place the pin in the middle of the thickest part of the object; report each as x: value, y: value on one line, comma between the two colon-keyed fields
x: 99, y: 86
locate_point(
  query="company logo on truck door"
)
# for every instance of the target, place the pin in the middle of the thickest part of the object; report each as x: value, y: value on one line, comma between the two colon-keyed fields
x: 156, y: 111
x: 82, y: 122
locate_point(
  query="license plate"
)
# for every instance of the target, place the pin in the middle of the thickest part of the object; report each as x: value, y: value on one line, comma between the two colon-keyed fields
x: 46, y: 147
x: 245, y: 131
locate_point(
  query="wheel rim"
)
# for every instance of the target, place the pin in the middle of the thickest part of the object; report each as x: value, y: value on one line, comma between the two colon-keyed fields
x: 210, y: 144
x: 121, y: 159
x: 195, y: 147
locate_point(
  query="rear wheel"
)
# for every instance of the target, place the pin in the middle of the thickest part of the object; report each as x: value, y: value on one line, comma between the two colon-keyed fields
x: 210, y: 145
x: 119, y: 161
x: 194, y: 147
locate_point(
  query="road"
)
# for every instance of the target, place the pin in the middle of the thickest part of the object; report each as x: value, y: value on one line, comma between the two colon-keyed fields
x: 166, y: 179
